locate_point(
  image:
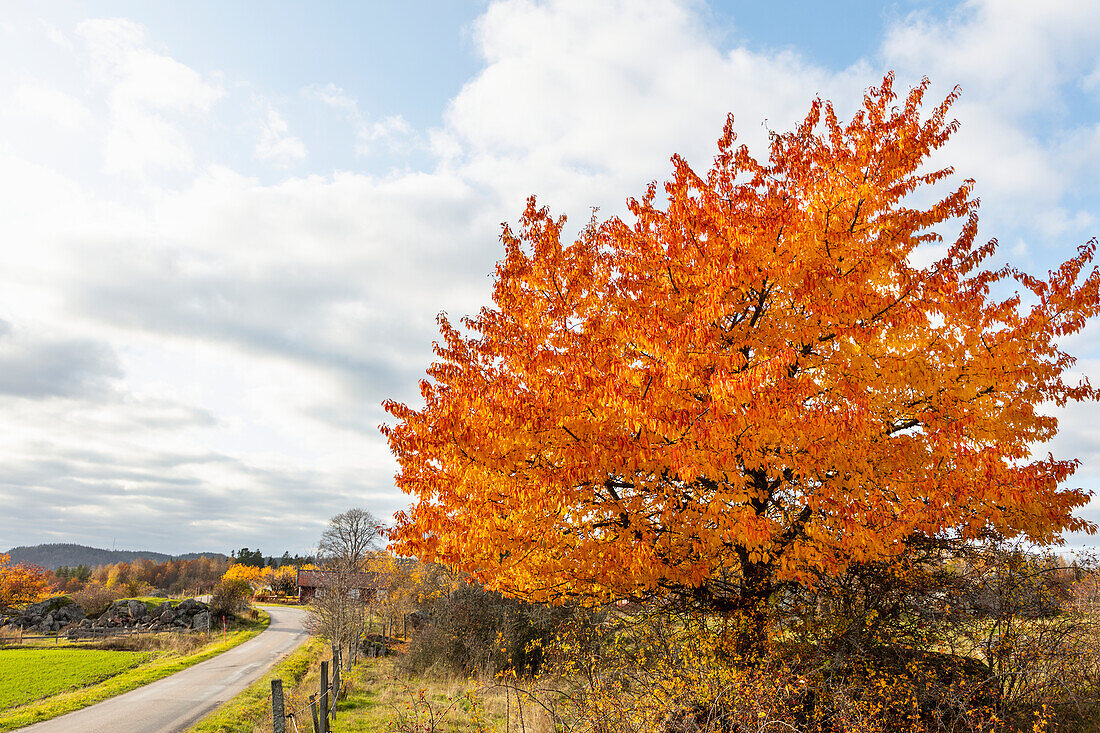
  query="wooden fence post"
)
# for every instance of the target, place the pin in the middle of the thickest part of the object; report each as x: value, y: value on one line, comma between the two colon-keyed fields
x: 336, y: 682
x: 313, y: 709
x: 324, y: 697
x: 278, y: 711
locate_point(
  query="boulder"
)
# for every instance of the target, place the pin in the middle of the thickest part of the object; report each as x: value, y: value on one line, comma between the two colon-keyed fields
x: 70, y: 614
x: 137, y: 609
x: 202, y: 621
x: 190, y: 607
x: 167, y: 615
x: 48, y: 615
x: 43, y: 607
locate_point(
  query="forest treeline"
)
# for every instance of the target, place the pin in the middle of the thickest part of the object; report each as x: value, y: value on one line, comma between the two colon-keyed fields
x: 56, y: 554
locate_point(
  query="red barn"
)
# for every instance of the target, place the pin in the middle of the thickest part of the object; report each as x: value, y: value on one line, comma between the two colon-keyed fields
x: 361, y: 586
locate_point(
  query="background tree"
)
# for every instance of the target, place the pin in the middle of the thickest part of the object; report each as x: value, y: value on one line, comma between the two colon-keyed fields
x: 252, y: 558
x: 349, y: 538
x: 282, y: 580
x: 751, y: 384
x: 230, y: 596
x: 251, y: 575
x: 338, y: 612
x: 20, y: 584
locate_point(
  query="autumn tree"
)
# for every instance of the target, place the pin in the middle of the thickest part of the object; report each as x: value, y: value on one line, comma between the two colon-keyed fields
x: 250, y: 575
x: 751, y: 383
x: 20, y: 584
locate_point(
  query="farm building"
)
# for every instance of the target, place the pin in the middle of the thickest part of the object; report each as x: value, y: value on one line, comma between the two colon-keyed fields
x: 361, y: 586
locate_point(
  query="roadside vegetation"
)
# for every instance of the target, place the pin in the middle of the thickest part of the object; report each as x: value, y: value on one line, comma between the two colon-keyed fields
x: 160, y: 655
x: 1015, y: 647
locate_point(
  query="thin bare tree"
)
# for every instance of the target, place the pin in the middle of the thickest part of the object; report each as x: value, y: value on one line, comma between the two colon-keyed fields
x: 349, y: 539
x: 338, y: 612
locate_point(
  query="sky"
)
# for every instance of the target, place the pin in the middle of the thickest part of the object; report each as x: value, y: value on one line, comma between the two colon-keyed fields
x: 227, y: 227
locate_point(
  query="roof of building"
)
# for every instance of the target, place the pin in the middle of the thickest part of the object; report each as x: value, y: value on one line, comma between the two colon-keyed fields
x: 329, y: 578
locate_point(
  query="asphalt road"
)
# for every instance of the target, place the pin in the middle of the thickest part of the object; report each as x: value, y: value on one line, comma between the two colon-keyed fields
x: 178, y: 701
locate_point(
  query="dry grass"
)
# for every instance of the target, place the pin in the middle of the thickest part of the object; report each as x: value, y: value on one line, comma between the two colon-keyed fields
x: 380, y: 699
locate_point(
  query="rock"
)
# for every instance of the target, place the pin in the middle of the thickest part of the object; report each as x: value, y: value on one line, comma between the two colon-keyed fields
x: 167, y: 615
x: 42, y: 607
x: 202, y: 621
x: 137, y: 609
x: 190, y: 607
x: 69, y: 614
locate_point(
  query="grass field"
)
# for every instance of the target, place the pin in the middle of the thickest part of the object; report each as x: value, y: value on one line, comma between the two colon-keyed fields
x: 164, y: 656
x: 27, y: 675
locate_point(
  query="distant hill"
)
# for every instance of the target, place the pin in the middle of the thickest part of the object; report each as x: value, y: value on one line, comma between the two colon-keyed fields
x: 54, y: 555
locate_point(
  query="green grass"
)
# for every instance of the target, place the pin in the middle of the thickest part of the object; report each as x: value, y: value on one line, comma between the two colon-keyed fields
x: 152, y: 602
x: 159, y: 664
x: 27, y: 675
x: 252, y: 708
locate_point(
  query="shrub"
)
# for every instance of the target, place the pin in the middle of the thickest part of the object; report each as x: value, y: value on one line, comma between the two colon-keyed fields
x: 230, y: 597
x: 472, y: 630
x: 94, y: 598
x: 672, y: 673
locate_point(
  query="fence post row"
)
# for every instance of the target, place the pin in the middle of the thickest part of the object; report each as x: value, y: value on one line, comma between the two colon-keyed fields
x: 320, y: 708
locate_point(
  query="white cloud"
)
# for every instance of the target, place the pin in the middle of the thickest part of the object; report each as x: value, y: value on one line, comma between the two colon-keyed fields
x: 45, y: 104
x: 392, y: 131
x: 150, y: 97
x: 276, y: 145
x: 1019, y: 65
x: 1091, y: 83
x: 584, y: 103
x: 1016, y: 54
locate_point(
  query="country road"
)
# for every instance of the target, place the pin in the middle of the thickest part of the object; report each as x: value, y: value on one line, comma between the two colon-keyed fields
x: 175, y: 702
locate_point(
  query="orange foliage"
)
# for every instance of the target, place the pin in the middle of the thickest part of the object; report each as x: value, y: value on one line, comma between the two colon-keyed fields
x: 750, y: 384
x: 21, y: 584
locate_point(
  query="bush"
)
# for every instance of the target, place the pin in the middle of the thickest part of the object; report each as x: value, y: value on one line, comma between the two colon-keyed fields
x: 230, y: 597
x: 471, y: 630
x: 94, y: 598
x: 659, y: 671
